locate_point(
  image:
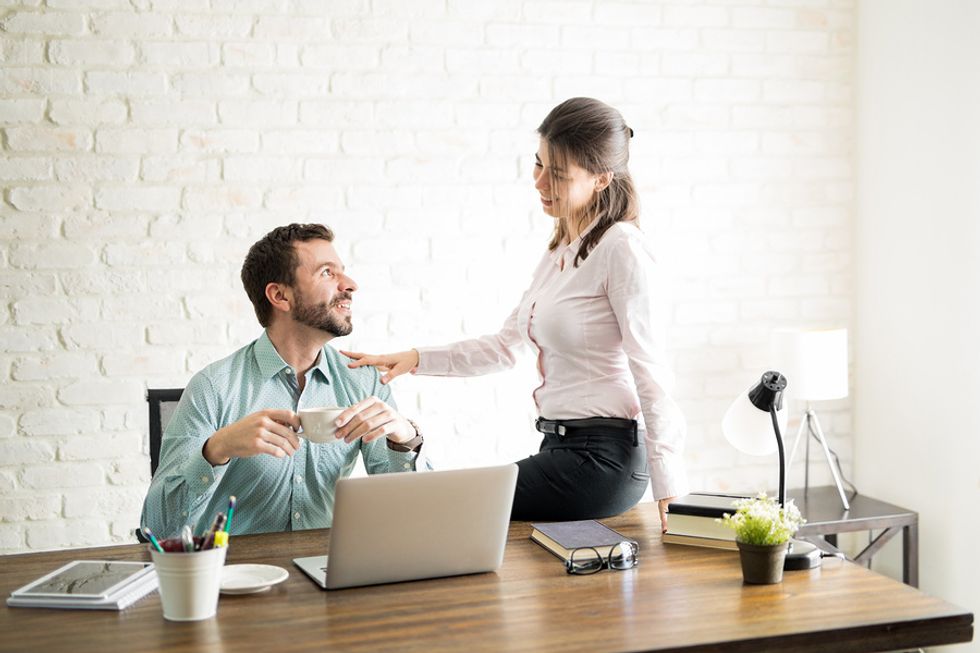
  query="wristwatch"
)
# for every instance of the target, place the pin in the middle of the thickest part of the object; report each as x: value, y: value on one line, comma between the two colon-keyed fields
x: 408, y: 445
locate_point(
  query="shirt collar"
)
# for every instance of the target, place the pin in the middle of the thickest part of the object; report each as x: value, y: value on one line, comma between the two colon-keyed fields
x: 568, y: 251
x: 271, y: 363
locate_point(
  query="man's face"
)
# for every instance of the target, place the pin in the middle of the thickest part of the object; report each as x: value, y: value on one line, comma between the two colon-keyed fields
x: 322, y: 293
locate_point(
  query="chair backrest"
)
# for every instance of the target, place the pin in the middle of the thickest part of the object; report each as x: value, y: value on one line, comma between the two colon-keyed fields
x: 162, y: 405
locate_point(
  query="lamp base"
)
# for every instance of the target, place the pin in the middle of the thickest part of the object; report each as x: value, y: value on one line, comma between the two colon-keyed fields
x: 801, y: 555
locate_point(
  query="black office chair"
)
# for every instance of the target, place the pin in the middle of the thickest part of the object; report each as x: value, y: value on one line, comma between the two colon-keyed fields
x: 162, y: 404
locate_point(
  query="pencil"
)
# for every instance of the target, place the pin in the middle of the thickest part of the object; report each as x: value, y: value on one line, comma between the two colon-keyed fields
x: 232, y: 501
x: 153, y: 539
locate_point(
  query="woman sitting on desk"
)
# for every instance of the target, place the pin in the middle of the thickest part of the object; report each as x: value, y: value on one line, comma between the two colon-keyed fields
x: 590, y: 317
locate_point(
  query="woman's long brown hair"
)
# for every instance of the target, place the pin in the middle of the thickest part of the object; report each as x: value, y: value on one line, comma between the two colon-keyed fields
x: 594, y: 136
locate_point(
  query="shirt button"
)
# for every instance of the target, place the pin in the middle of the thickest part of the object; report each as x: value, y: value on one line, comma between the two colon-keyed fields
x: 185, y: 513
x: 205, y: 480
x: 289, y: 370
x: 299, y: 478
x: 295, y: 515
x: 407, y: 465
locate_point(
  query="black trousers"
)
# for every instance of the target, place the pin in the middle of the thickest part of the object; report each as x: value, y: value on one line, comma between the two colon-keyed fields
x: 591, y: 472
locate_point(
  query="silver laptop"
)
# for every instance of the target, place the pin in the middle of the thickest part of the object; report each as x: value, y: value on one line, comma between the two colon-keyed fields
x: 414, y: 525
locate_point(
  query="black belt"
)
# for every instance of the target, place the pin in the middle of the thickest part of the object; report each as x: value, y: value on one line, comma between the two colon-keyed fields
x: 567, y: 427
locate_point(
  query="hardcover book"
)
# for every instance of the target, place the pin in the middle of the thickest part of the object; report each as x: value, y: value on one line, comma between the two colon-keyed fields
x: 561, y: 538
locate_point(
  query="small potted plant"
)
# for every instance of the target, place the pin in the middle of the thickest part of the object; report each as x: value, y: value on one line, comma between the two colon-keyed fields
x: 762, y: 531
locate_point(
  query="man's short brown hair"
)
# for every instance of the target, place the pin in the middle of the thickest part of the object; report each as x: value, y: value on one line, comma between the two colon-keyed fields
x: 273, y: 259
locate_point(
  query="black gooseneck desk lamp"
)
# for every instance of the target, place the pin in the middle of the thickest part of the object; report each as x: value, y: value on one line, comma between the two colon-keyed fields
x: 746, y: 426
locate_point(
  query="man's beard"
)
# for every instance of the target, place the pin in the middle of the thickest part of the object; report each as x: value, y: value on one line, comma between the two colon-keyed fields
x: 319, y: 316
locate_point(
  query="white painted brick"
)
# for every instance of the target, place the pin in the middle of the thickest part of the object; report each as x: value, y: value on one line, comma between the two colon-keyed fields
x: 616, y: 63
x: 47, y: 23
x: 177, y: 226
x: 292, y: 28
x: 44, y: 310
x: 500, y: 60
x: 646, y: 38
x: 133, y: 471
x: 222, y: 198
x: 8, y: 427
x: 25, y: 168
x: 152, y: 199
x: 95, y: 335
x: 30, y: 507
x: 343, y: 170
x: 53, y: 254
x: 304, y: 198
x: 39, y: 81
x: 135, y: 141
x: 179, y: 168
x: 262, y: 168
x: 604, y: 86
x: 22, y: 52
x: 104, y: 502
x: 20, y: 111
x: 659, y: 91
x: 769, y: 309
x: 94, y: 447
x: 336, y: 114
x: 100, y: 281
x: 65, y: 534
x: 118, y: 25
x: 515, y: 36
x: 180, y: 335
x: 413, y: 114
x: 125, y: 83
x: 56, y: 421
x: 786, y: 91
x: 646, y: 14
x: 590, y: 37
x: 257, y: 113
x: 248, y: 54
x: 90, y: 169
x: 384, y: 29
x: 687, y: 116
x: 734, y: 41
x: 764, y: 18
x: 706, y: 313
x: 27, y: 339
x: 766, y: 65
x: 695, y: 64
x: 48, y: 139
x: 50, y: 198
x: 87, y: 112
x: 412, y: 58
x: 825, y: 168
x: 146, y: 252
x: 215, y: 141
x: 142, y: 364
x: 179, y: 53
x: 54, y: 366
x: 89, y: 52
x: 301, y: 141
x: 726, y: 90
x: 279, y: 84
x: 180, y: 113
x: 214, y: 27
x: 677, y: 16
x: 25, y: 396
x: 797, y: 41
x: 211, y: 84
x: 341, y: 56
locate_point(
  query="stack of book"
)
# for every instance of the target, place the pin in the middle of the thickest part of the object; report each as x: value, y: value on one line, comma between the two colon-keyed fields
x: 694, y: 520
x: 88, y: 585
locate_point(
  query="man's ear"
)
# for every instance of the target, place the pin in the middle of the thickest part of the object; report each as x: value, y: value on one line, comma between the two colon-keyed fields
x: 602, y: 181
x: 280, y: 296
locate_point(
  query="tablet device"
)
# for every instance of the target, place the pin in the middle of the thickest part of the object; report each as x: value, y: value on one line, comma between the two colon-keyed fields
x: 86, y: 579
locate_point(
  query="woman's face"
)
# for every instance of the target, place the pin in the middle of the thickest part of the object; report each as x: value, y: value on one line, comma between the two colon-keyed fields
x: 565, y: 190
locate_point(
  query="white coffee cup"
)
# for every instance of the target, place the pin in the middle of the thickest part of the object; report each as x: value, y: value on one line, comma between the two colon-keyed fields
x: 318, y: 423
x: 189, y: 583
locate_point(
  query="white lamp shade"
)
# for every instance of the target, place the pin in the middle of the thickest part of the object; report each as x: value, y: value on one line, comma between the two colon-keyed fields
x: 813, y: 362
x: 749, y: 429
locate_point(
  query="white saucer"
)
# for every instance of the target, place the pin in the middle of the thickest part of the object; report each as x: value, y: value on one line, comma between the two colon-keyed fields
x: 248, y: 579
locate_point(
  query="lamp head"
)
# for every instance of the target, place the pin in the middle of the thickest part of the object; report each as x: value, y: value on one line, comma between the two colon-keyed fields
x: 747, y: 424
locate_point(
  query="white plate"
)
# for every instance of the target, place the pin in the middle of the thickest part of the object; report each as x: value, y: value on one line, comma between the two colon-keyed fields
x: 247, y: 579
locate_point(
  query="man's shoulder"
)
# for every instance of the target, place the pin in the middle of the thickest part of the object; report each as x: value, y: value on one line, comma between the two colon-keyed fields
x: 366, y: 378
x: 230, y: 367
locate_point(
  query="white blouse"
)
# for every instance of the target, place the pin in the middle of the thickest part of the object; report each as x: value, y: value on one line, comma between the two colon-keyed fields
x: 596, y: 332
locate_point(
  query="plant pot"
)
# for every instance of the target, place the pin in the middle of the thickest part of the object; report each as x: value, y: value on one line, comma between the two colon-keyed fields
x: 762, y: 564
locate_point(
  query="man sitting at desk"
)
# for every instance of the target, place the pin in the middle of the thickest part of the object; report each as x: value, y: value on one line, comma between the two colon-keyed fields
x: 234, y: 430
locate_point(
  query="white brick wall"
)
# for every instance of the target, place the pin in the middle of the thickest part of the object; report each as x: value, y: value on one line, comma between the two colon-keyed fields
x: 145, y: 149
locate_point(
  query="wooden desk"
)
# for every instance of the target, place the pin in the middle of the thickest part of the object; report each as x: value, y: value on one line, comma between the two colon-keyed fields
x: 679, y: 598
x: 825, y: 516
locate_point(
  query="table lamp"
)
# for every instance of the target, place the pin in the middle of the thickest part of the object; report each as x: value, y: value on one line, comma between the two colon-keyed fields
x: 817, y: 363
x: 748, y: 425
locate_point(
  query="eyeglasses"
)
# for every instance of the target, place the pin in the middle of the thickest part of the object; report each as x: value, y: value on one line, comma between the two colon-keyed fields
x: 587, y: 560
